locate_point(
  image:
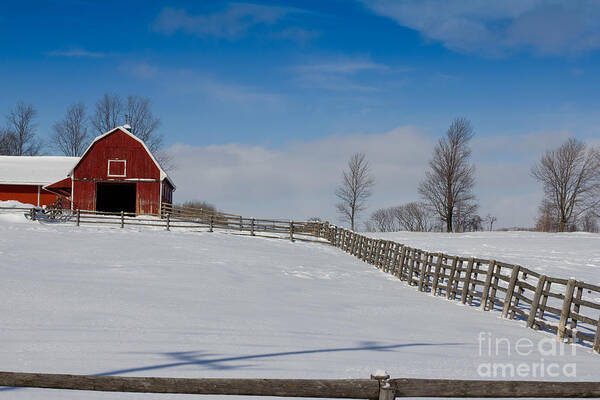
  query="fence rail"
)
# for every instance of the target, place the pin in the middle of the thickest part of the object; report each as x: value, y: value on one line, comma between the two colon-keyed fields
x: 378, y: 387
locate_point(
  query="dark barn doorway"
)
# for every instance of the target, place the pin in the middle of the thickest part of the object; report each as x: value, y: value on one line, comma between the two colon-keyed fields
x: 115, y: 197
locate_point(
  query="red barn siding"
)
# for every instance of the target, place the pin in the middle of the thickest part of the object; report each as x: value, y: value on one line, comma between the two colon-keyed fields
x: 84, y: 195
x: 27, y: 194
x: 148, y: 197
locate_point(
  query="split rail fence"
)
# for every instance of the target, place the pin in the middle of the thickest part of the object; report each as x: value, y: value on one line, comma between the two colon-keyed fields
x: 378, y: 387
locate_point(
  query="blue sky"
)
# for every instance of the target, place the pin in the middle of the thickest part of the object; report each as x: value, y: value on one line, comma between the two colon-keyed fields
x: 281, y: 75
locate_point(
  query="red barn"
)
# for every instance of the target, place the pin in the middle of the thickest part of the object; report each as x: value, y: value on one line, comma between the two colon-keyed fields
x: 117, y: 173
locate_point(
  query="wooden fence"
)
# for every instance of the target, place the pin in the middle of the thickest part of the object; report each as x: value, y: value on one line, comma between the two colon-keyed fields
x: 378, y: 387
x: 172, y: 217
x: 567, y: 307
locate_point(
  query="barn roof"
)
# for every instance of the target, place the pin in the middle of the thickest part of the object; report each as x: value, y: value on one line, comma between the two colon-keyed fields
x: 163, y: 174
x: 34, y: 170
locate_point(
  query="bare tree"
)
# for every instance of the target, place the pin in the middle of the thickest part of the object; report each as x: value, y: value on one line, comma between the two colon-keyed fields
x: 7, y: 140
x: 449, y: 182
x: 138, y: 115
x: 108, y: 113
x: 20, y: 136
x: 71, y: 133
x: 490, y: 220
x: 414, y: 216
x: 570, y: 176
x: 589, y: 222
x: 547, y: 220
x: 383, y: 220
x: 466, y: 218
x: 369, y: 226
x: 355, y: 189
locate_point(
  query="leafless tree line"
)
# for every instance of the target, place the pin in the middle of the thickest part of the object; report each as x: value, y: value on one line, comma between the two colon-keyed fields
x: 73, y: 133
x: 413, y: 217
x: 447, y: 196
x: 570, y: 176
x: 420, y: 217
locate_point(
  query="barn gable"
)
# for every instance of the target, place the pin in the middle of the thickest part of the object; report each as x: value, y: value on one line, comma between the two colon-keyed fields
x: 122, y: 147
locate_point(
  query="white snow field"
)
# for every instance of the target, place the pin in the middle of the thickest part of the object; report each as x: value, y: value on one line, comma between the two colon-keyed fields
x: 142, y: 302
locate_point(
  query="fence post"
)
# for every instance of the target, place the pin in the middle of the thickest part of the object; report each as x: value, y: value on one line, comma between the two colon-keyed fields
x: 576, y: 308
x: 386, y: 392
x: 510, y: 290
x: 122, y: 219
x: 424, y: 263
x: 78, y: 217
x: 536, y: 301
x: 252, y: 227
x: 210, y: 223
x: 375, y: 261
x: 566, y: 308
x: 241, y: 224
x: 597, y: 338
x: 436, y: 273
x: 365, y: 248
x: 451, y: 274
x: 411, y: 269
x: 400, y: 269
x: 32, y: 214
x: 355, y: 239
x: 394, y: 258
x: 467, y: 282
x: 291, y: 231
x: 168, y: 221
x: 486, y: 287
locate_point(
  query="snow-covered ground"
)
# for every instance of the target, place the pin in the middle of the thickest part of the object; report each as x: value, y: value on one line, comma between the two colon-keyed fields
x: 141, y: 302
x: 561, y: 255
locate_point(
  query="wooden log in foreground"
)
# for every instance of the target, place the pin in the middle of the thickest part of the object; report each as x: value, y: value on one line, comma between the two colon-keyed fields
x: 320, y: 388
x: 493, y: 389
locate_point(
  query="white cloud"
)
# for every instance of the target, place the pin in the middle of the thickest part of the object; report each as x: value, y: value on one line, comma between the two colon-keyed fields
x: 298, y: 35
x: 339, y: 74
x: 230, y: 23
x: 76, y: 52
x: 141, y: 70
x: 185, y: 82
x: 298, y: 181
x: 343, y: 67
x: 559, y: 27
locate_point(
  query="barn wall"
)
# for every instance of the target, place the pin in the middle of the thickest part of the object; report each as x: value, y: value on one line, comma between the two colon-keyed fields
x: 84, y: 195
x: 27, y: 194
x: 167, y: 192
x: 147, y: 198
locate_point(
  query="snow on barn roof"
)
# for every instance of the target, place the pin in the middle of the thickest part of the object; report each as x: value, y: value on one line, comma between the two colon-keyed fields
x: 34, y: 170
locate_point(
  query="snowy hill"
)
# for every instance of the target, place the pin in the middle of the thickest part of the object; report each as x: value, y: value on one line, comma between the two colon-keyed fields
x: 90, y: 300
